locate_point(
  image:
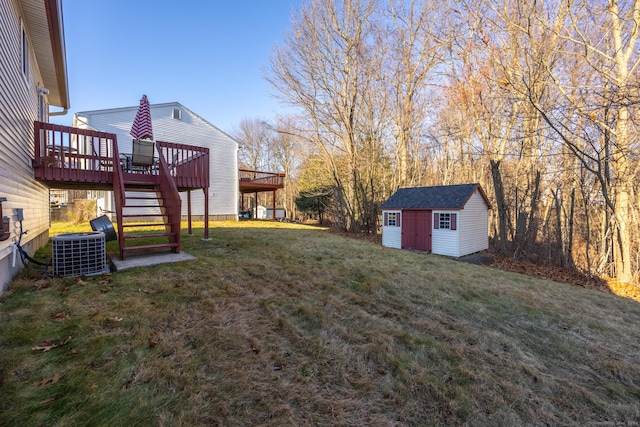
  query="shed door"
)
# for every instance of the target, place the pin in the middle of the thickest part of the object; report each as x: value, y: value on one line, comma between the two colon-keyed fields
x: 416, y: 230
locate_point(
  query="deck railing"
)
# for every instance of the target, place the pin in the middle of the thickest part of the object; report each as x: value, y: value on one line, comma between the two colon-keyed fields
x: 248, y: 176
x: 188, y: 164
x: 68, y: 154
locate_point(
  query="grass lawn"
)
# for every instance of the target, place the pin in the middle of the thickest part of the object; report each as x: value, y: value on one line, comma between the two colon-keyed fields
x: 285, y: 325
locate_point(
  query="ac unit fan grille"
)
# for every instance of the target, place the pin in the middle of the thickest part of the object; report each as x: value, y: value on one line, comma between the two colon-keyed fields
x: 79, y: 254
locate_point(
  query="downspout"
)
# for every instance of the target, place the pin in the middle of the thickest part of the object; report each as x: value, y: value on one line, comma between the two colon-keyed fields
x: 58, y: 113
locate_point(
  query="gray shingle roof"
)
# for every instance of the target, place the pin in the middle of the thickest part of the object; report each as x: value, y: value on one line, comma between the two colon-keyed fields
x: 437, y: 197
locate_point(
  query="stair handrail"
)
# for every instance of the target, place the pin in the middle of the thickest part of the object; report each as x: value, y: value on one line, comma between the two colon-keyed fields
x: 169, y: 190
x: 118, y: 193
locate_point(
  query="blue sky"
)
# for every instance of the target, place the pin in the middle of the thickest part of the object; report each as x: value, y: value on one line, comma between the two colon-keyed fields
x: 208, y: 55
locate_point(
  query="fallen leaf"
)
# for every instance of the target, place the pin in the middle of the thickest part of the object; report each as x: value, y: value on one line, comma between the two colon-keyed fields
x: 93, y: 386
x: 42, y: 284
x: 126, y: 385
x: 382, y: 372
x: 53, y: 380
x: 75, y: 352
x: 81, y: 282
x: 153, y: 342
x: 46, y: 346
x: 95, y: 313
x: 59, y: 315
x: 114, y: 319
x: 104, y: 281
x: 48, y: 400
x: 64, y: 292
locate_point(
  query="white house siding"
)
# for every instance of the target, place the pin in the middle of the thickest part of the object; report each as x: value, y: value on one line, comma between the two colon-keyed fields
x: 18, y: 110
x: 445, y: 241
x: 391, y: 236
x: 189, y: 129
x: 473, y: 223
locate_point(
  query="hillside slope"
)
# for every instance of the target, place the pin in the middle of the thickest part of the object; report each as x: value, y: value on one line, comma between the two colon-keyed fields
x: 278, y: 325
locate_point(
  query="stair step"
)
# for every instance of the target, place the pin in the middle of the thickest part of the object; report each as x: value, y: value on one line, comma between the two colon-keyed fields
x: 142, y: 206
x: 145, y: 247
x: 141, y: 198
x: 140, y: 215
x: 141, y: 224
x: 141, y: 236
x: 136, y: 189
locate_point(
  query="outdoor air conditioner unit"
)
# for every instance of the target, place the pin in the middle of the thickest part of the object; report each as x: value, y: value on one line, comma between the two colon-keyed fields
x: 79, y: 254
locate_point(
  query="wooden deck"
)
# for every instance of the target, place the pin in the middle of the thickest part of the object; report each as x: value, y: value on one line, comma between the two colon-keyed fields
x: 256, y: 181
x: 71, y: 158
x: 252, y: 181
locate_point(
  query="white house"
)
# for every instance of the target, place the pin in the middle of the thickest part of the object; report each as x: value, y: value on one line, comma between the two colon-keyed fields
x: 33, y: 73
x: 173, y: 122
x: 448, y: 220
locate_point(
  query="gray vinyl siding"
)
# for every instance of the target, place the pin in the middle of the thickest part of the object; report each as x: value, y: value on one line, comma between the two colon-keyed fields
x: 18, y: 110
x: 473, y: 220
x: 192, y: 130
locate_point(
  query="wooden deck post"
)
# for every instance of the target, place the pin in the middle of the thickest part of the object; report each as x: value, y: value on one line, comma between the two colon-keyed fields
x: 189, y: 232
x: 274, y: 205
x: 255, y: 205
x: 206, y: 212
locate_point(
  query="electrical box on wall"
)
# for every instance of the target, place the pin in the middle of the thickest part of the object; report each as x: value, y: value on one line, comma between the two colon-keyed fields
x: 6, y: 222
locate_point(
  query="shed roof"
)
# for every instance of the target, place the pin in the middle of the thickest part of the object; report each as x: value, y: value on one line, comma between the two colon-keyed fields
x: 436, y: 197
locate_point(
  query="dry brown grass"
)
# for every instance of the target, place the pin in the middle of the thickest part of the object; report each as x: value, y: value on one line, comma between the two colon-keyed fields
x: 278, y: 325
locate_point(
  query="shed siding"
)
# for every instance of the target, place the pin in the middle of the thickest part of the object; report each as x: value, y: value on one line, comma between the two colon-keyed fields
x: 18, y: 110
x: 391, y: 236
x: 192, y: 130
x: 445, y: 241
x: 473, y: 221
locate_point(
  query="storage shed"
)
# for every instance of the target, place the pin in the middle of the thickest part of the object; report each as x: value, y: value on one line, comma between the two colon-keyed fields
x: 448, y: 220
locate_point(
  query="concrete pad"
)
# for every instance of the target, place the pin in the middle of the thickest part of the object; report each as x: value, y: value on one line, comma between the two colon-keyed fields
x: 148, y: 260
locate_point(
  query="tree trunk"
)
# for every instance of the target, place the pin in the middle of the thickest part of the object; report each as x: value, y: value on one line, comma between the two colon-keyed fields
x: 501, y: 238
x: 568, y: 257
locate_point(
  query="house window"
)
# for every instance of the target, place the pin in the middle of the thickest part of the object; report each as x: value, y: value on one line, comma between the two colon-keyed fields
x: 25, y: 51
x: 392, y: 219
x: 177, y: 114
x: 445, y: 221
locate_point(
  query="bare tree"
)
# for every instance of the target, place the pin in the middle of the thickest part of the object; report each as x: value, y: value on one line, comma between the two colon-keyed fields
x: 413, y: 50
x: 601, y: 41
x: 254, y: 136
x: 321, y: 69
x: 286, y: 157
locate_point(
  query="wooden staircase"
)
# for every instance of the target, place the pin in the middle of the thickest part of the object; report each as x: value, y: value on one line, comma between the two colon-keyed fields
x: 152, y: 203
x: 147, y: 201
